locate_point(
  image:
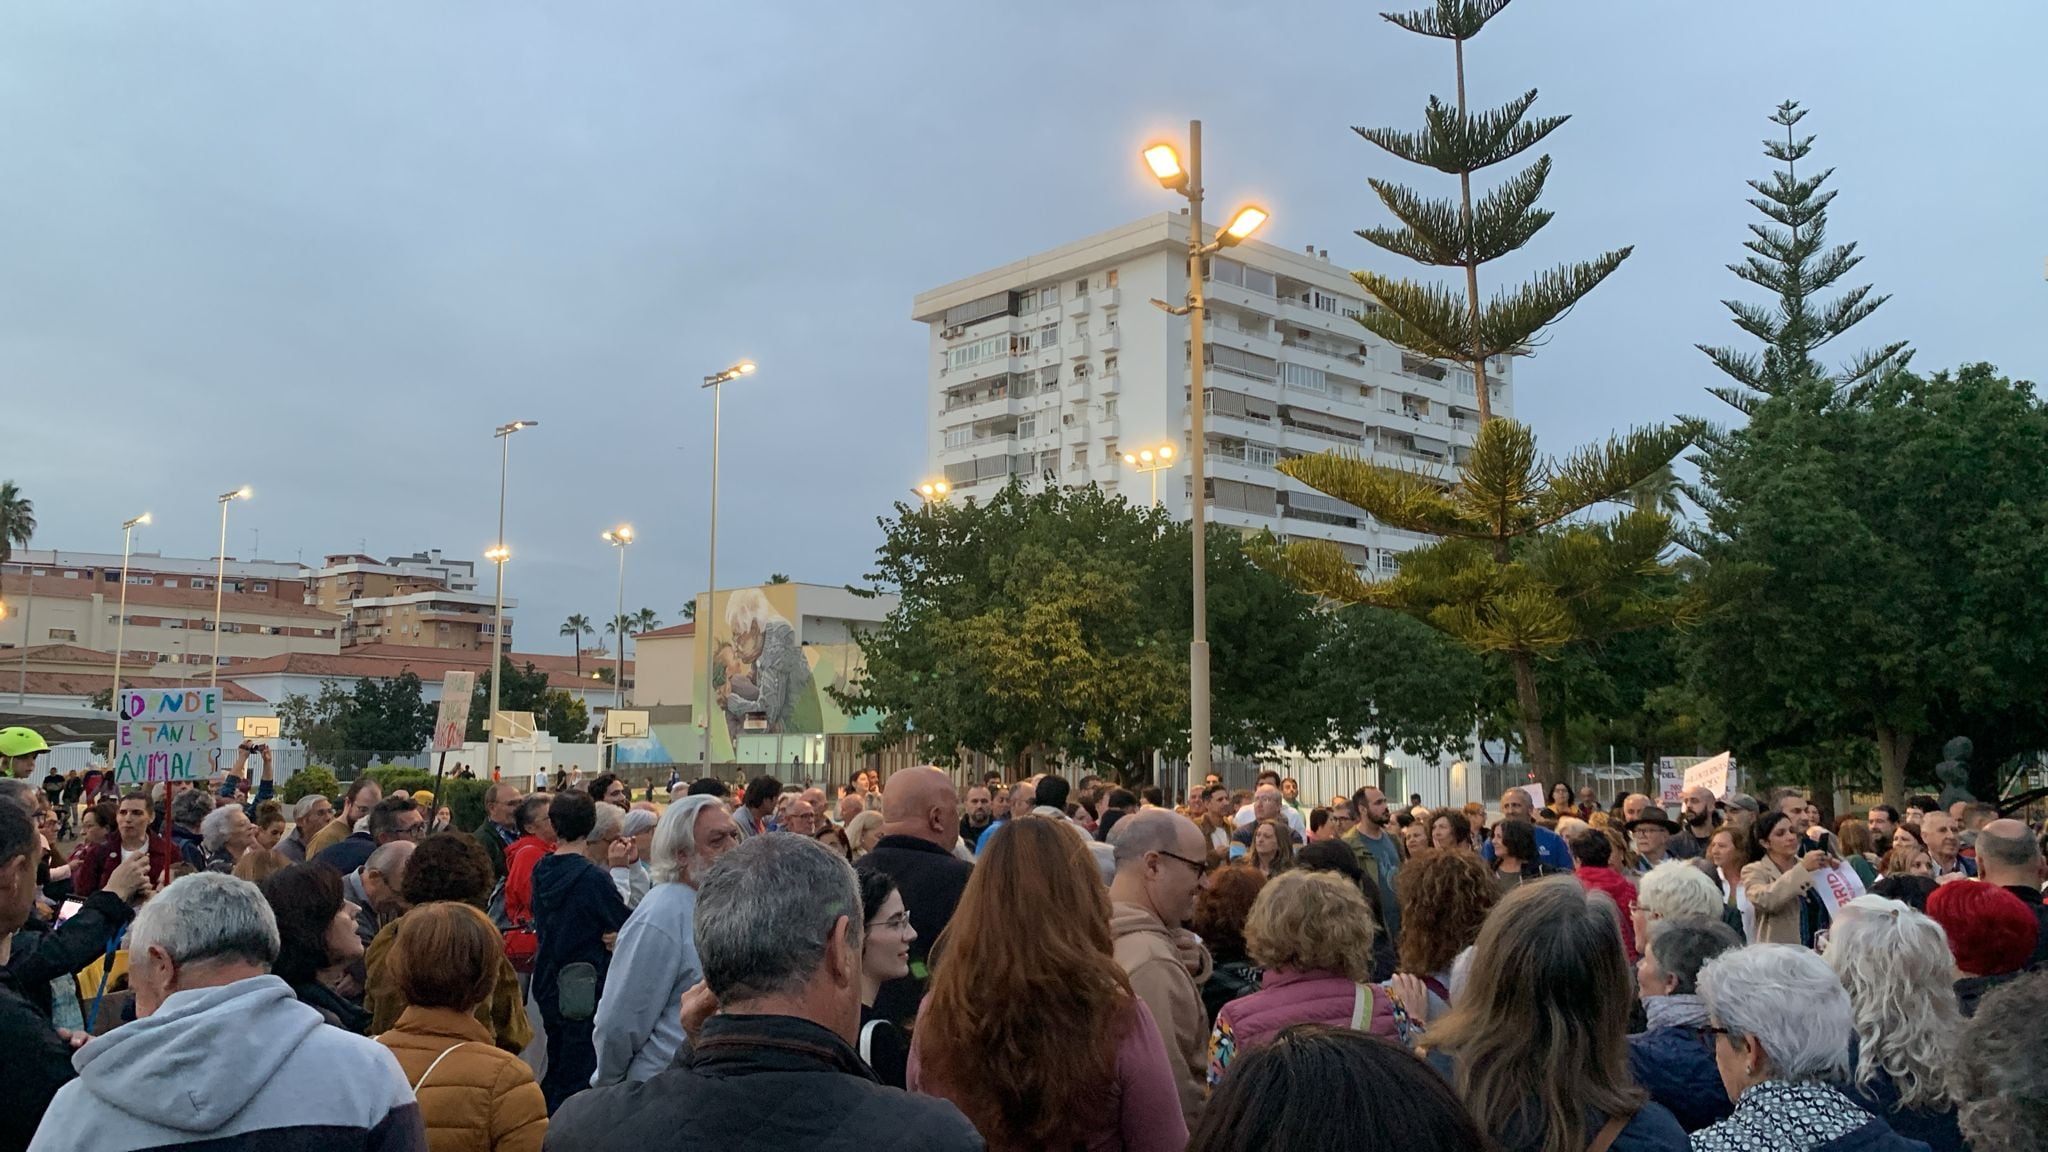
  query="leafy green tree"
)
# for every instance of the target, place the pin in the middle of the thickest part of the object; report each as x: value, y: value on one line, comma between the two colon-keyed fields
x: 388, y: 717
x: 525, y: 690
x: 1454, y: 323
x: 563, y: 716
x: 1877, y: 564
x: 1790, y: 257
x: 1396, y: 683
x: 576, y: 628
x: 319, y: 724
x: 312, y: 780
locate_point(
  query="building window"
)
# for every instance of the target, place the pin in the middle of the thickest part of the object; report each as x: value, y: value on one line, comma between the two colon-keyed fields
x: 1109, y: 319
x: 201, y: 582
x: 71, y: 574
x: 142, y: 580
x: 65, y: 635
x: 1109, y: 364
x: 1027, y: 427
x: 1081, y: 287
x: 1390, y: 561
x: 1081, y: 456
x: 960, y: 437
x: 1110, y: 276
x: 1305, y: 378
x: 1109, y: 452
x: 1109, y: 408
x: 261, y: 586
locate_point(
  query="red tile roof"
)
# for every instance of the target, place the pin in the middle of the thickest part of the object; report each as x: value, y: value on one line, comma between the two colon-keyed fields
x: 66, y: 654
x: 431, y: 664
x: 90, y: 685
x: 687, y: 628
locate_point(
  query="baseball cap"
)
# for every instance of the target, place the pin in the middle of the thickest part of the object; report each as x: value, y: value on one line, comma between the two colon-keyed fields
x: 1741, y: 800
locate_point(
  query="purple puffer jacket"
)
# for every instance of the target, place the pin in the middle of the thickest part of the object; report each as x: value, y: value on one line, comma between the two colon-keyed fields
x: 1286, y: 998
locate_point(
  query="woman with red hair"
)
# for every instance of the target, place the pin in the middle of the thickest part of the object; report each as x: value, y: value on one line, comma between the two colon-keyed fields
x: 1991, y: 931
x: 1036, y: 1035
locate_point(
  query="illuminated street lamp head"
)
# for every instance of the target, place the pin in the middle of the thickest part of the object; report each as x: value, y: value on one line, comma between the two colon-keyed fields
x: 142, y: 519
x: 743, y: 368
x: 1146, y: 455
x: 1166, y: 451
x: 1165, y: 165
x: 516, y: 425
x: 1242, y: 225
x: 623, y: 534
x: 934, y: 489
x: 1130, y: 459
x: 498, y: 555
x: 242, y: 493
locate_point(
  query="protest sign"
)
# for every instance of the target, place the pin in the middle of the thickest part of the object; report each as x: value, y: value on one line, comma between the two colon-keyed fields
x: 1711, y: 774
x: 1837, y: 886
x: 1536, y: 798
x: 451, y: 723
x: 166, y: 734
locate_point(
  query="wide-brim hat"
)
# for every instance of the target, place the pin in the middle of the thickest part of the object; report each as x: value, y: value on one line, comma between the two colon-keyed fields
x: 1655, y: 818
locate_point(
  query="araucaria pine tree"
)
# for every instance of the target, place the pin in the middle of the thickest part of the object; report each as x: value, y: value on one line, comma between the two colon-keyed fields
x: 1519, y: 571
x: 1448, y: 323
x: 1790, y: 257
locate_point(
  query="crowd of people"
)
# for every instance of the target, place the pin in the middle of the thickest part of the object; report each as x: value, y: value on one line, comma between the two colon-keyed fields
x: 1026, y: 965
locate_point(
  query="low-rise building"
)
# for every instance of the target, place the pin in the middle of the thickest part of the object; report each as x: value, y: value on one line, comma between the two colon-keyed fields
x: 167, y: 625
x: 422, y: 601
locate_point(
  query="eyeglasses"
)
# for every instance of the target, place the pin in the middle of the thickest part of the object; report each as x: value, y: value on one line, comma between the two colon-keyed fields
x: 1201, y: 867
x: 896, y: 923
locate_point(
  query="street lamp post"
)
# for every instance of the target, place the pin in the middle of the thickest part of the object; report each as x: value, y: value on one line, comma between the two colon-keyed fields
x: 220, y: 569
x: 713, y: 382
x: 1165, y: 163
x: 1152, y: 461
x: 121, y: 617
x: 620, y: 538
x: 933, y: 491
x: 497, y: 555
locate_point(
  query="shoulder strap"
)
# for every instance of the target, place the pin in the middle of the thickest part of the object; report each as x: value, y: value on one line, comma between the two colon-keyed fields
x: 1609, y: 1133
x: 1361, y: 1008
x: 422, y: 1083
x: 867, y: 1042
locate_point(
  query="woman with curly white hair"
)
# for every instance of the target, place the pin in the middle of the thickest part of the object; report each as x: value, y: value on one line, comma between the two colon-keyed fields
x: 1894, y: 962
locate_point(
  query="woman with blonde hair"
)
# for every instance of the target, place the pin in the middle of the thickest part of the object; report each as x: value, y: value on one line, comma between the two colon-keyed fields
x: 1895, y: 964
x: 1537, y: 1044
x: 863, y: 832
x: 473, y: 1095
x: 1025, y: 1030
x: 1312, y: 933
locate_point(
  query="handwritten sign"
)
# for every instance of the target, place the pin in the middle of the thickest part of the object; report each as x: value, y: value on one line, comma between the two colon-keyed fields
x: 1837, y: 886
x: 1535, y: 794
x: 166, y: 734
x: 1711, y: 774
x: 451, y: 724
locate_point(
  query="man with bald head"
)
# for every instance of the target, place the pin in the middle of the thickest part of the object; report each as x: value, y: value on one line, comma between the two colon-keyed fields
x: 920, y: 825
x: 1161, y: 858
x: 2009, y: 856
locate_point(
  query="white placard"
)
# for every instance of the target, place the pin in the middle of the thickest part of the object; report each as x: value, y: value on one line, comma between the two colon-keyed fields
x: 1837, y: 886
x: 1711, y: 774
x: 1536, y: 797
x: 166, y: 734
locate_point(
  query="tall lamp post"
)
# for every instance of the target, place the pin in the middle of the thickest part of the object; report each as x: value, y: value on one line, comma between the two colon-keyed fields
x: 121, y: 617
x: 1165, y: 162
x: 620, y: 538
x: 713, y: 382
x: 497, y: 555
x: 933, y: 491
x: 1152, y: 461
x: 220, y: 571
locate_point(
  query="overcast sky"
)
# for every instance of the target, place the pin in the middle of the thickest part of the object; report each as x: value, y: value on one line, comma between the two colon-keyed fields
x: 323, y: 248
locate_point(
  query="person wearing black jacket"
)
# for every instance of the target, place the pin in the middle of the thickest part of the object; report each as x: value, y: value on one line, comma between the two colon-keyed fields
x: 920, y: 825
x: 778, y: 926
x: 38, y: 1056
x: 575, y: 908
x: 44, y: 953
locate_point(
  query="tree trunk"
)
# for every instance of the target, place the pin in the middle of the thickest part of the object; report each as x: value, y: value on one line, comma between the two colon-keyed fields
x: 1535, y: 748
x: 1558, y: 759
x: 1824, y: 793
x: 1652, y: 783
x: 1893, y: 746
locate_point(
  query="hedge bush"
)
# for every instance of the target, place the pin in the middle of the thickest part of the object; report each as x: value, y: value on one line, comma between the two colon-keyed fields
x: 464, y: 798
x: 310, y: 780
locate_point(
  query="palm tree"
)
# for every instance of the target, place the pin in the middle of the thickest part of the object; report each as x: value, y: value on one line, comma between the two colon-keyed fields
x: 645, y: 620
x: 690, y: 612
x: 17, y: 520
x: 576, y: 628
x: 778, y: 578
x: 17, y: 524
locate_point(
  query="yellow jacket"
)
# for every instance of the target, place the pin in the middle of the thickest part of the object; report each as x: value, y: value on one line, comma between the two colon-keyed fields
x: 503, y: 1015
x: 478, y: 1097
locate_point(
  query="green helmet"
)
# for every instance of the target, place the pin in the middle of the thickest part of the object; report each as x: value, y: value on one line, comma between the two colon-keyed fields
x: 20, y: 742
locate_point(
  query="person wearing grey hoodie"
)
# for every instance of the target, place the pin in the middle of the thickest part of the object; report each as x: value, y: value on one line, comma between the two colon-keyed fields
x: 184, y: 1071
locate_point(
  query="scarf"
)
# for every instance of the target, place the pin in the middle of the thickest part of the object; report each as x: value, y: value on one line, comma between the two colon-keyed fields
x: 1782, y: 1116
x: 1679, y: 1010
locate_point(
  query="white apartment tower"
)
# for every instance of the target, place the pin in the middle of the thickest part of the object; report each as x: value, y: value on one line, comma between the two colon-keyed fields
x: 1054, y: 367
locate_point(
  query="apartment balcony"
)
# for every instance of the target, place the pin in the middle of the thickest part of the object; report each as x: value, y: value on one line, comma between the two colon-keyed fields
x: 1231, y: 294
x: 1079, y: 347
x: 1075, y: 306
x: 988, y: 408
x: 1000, y: 445
x: 1333, y: 323
x: 1107, y: 384
x: 1106, y: 341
